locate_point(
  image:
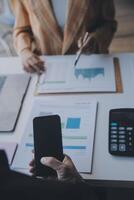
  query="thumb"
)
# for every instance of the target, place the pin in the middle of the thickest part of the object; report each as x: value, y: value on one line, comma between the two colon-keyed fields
x: 51, y: 162
x: 79, y: 42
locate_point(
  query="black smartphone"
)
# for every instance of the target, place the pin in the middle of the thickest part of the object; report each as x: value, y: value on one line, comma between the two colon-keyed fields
x: 47, y: 142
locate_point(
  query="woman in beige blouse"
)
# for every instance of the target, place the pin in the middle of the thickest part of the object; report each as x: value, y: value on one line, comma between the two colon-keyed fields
x: 37, y: 32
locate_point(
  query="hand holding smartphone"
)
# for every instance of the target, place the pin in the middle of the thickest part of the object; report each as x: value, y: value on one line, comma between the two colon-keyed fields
x: 47, y: 142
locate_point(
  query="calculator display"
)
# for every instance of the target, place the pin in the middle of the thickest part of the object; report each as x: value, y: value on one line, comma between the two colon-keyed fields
x: 122, y: 117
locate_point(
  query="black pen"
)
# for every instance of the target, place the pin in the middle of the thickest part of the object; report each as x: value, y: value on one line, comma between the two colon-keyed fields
x: 77, y: 57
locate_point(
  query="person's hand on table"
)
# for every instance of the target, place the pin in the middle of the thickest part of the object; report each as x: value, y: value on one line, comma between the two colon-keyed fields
x: 66, y: 170
x: 88, y: 43
x: 32, y: 62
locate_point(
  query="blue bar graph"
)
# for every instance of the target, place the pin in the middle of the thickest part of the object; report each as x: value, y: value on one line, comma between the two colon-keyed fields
x: 64, y: 147
x: 29, y: 145
x: 73, y: 123
x: 74, y: 147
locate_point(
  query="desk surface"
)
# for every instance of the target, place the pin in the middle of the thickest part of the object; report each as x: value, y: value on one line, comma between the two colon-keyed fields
x: 105, y: 166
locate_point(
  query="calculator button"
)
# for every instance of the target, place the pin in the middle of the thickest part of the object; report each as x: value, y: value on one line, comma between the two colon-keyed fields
x: 122, y: 141
x: 129, y: 133
x: 113, y: 147
x: 113, y: 128
x: 130, y: 144
x: 113, y: 136
x: 129, y: 128
x: 121, y: 136
x: 121, y: 128
x: 114, y: 141
x: 122, y: 132
x: 130, y: 139
x: 113, y: 132
x: 114, y: 124
x: 122, y: 147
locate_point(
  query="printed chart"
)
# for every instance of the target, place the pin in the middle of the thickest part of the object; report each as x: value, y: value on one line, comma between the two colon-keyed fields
x: 92, y: 74
x: 78, y: 127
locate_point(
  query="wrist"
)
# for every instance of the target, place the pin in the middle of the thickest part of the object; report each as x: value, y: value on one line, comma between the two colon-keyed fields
x: 26, y: 51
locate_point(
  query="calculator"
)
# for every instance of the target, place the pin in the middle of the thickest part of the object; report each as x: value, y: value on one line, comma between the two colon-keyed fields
x: 121, y: 132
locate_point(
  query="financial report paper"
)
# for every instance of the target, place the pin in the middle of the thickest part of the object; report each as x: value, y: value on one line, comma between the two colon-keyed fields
x: 78, y: 129
x: 93, y: 73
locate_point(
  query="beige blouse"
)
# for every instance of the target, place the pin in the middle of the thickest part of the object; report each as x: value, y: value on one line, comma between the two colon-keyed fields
x: 36, y: 27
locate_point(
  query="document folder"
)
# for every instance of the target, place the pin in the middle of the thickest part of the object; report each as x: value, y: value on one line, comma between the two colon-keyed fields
x: 13, y: 88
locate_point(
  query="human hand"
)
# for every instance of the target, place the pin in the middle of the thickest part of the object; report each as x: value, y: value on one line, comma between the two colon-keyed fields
x: 88, y: 44
x: 31, y: 62
x: 66, y: 170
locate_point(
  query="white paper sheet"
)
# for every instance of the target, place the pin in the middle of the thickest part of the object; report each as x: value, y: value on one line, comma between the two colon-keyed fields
x: 9, y: 148
x: 93, y: 73
x: 78, y: 128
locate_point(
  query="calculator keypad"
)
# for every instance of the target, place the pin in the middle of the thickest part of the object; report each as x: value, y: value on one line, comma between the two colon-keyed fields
x: 121, y: 139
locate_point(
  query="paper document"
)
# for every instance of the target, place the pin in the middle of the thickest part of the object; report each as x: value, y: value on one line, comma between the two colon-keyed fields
x: 78, y: 128
x: 10, y: 149
x: 93, y: 73
x: 12, y: 92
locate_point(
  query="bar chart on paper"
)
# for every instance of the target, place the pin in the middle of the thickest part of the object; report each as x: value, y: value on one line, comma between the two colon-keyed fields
x: 78, y: 126
x: 90, y: 75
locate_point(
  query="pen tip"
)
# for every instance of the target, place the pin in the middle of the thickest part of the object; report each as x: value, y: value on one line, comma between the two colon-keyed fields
x: 75, y: 63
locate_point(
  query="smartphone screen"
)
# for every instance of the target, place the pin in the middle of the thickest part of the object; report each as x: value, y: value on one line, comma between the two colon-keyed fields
x: 47, y: 142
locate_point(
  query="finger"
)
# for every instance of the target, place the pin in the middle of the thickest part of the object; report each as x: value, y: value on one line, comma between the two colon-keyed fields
x: 32, y: 170
x: 36, y: 68
x: 80, y: 42
x: 32, y: 69
x: 87, y: 41
x: 68, y: 162
x: 38, y: 63
x: 32, y: 166
x: 41, y: 66
x: 27, y: 68
x: 40, y: 69
x: 33, y: 151
x: 85, y: 37
x: 32, y: 163
x: 32, y: 66
x: 39, y: 60
x: 51, y: 162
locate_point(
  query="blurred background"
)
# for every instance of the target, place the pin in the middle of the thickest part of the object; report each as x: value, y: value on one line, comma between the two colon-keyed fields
x: 123, y: 41
x: 124, y: 38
